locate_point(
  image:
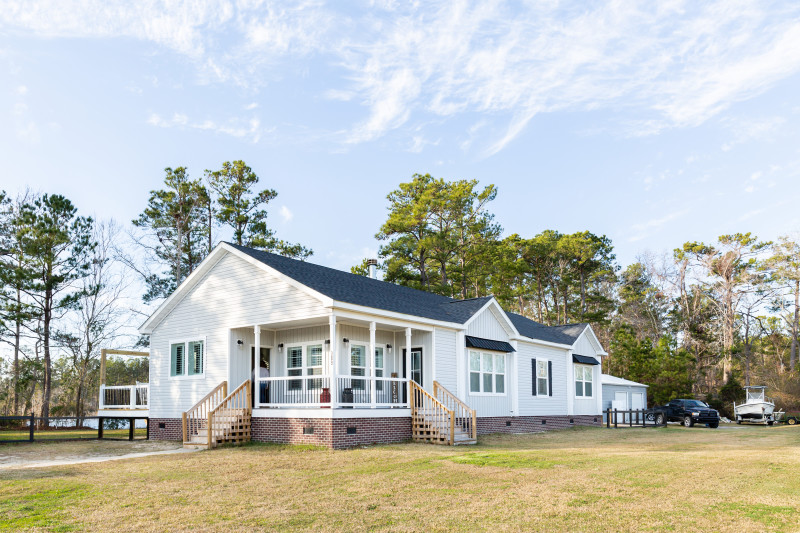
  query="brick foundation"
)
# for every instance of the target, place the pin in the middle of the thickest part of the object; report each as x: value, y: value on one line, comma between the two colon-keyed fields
x: 172, y: 429
x: 534, y: 424
x: 333, y: 433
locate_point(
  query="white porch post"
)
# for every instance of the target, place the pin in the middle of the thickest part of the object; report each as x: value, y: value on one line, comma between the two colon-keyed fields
x: 133, y: 396
x: 102, y: 401
x: 408, y: 362
x: 256, y: 364
x: 371, y: 362
x: 334, y: 368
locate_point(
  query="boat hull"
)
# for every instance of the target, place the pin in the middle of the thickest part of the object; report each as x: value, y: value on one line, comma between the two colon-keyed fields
x: 757, y: 410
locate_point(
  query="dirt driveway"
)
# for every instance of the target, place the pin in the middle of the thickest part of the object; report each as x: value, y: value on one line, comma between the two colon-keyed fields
x: 43, y: 454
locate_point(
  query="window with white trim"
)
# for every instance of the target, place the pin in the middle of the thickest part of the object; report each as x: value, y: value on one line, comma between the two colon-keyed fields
x: 542, y: 376
x: 358, y: 365
x: 379, y: 367
x: 487, y: 373
x: 314, y: 365
x: 187, y: 358
x: 294, y: 366
x: 583, y: 381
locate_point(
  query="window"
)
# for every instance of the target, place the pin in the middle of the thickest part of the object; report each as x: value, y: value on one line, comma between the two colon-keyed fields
x: 187, y: 358
x: 487, y: 373
x: 294, y: 366
x: 358, y: 363
x: 583, y: 380
x: 542, y: 385
x: 314, y: 365
x: 379, y: 367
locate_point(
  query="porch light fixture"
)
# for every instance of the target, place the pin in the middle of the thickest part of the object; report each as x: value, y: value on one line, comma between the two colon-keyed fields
x: 280, y: 348
x: 240, y: 342
x: 389, y: 349
x: 328, y: 342
x: 346, y: 341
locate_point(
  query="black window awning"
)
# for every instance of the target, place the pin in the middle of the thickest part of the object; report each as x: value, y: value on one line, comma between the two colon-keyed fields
x: 584, y: 360
x: 489, y: 344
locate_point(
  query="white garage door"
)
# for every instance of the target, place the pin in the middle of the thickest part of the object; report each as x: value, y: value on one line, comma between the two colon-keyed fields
x: 621, y: 404
x: 637, y: 400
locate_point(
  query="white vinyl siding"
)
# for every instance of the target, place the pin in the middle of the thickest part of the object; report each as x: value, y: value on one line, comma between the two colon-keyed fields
x: 538, y: 405
x: 488, y: 326
x: 446, y: 365
x: 233, y: 293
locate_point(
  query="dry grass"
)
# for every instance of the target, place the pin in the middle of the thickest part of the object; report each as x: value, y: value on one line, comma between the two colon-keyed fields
x: 581, y: 479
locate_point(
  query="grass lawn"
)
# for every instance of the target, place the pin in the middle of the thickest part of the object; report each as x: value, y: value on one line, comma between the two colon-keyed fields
x: 586, y: 479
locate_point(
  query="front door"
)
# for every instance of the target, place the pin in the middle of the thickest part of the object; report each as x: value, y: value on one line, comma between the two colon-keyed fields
x: 417, y: 373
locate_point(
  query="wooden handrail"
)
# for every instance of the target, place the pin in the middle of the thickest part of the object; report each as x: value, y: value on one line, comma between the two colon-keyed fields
x: 238, y: 400
x: 463, y: 413
x: 197, y: 416
x: 436, y: 414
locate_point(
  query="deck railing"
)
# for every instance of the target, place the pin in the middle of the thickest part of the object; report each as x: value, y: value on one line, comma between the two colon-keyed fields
x: 465, y: 417
x: 431, y: 421
x: 230, y: 420
x: 125, y: 396
x: 315, y: 391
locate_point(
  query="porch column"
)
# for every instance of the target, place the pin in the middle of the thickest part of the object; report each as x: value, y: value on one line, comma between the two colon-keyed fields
x: 333, y: 370
x: 373, y: 394
x: 257, y: 364
x: 408, y: 363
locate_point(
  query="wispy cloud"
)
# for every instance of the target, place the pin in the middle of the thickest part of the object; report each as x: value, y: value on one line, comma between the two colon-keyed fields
x: 235, y: 127
x: 643, y: 230
x: 286, y: 214
x: 673, y: 64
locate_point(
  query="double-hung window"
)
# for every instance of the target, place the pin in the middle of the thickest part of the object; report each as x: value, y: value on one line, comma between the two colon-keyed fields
x: 487, y: 372
x: 314, y: 365
x: 358, y: 364
x: 187, y: 358
x: 583, y: 381
x: 379, y: 367
x: 542, y: 376
x: 294, y: 367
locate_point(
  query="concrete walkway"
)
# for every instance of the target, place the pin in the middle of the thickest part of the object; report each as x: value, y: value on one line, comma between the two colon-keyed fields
x: 22, y: 463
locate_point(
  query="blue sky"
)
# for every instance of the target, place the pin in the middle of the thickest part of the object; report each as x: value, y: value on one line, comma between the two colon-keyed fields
x: 654, y: 123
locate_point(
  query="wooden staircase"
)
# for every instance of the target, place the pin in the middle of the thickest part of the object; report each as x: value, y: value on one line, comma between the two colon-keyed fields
x: 219, y: 418
x: 441, y: 418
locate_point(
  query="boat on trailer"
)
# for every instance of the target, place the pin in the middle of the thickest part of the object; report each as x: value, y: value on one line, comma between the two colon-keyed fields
x: 756, y: 407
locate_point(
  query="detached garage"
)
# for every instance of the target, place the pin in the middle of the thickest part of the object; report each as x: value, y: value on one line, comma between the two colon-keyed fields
x: 622, y: 394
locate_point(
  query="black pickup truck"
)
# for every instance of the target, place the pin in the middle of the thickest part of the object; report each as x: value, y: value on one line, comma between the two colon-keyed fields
x: 688, y: 412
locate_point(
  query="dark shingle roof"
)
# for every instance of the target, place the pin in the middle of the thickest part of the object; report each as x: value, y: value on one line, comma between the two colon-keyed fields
x: 566, y: 334
x: 360, y: 290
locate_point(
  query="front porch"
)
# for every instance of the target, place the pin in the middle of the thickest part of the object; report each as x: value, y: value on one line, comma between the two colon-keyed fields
x: 331, y: 363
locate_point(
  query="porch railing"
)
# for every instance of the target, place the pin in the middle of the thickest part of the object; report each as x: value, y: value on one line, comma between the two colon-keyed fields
x: 125, y: 396
x: 315, y: 391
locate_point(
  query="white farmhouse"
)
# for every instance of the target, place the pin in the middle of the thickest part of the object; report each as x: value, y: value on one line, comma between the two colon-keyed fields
x: 255, y: 345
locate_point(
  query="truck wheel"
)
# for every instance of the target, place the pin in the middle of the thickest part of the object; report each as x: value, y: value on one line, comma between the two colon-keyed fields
x: 660, y: 419
x: 713, y: 425
x: 688, y: 422
x: 792, y: 421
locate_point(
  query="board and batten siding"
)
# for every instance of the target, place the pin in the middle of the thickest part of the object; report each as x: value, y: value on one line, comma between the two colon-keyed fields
x: 233, y: 293
x: 530, y: 405
x: 583, y: 346
x: 487, y: 326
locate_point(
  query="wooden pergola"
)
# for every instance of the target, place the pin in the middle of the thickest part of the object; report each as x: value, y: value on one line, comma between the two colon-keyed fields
x: 104, y: 352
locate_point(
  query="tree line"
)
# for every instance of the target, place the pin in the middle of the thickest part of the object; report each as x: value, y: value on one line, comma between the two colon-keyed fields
x: 698, y: 322
x: 66, y: 289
